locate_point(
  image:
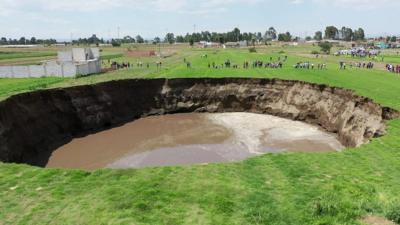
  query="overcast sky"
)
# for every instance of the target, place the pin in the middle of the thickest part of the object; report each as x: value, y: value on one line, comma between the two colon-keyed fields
x: 81, y: 18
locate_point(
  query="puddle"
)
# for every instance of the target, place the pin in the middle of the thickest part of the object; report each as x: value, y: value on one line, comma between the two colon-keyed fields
x: 185, y: 139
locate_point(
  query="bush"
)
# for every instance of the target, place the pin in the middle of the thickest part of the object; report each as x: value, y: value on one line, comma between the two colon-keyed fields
x: 252, y: 50
x: 325, y: 206
x: 393, y: 213
x: 115, y: 44
x: 281, y: 52
x: 315, y: 52
x: 325, y: 47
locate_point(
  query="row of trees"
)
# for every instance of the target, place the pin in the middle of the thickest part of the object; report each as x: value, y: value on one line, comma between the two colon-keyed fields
x: 331, y: 32
x: 344, y: 34
x: 26, y: 41
x: 231, y: 36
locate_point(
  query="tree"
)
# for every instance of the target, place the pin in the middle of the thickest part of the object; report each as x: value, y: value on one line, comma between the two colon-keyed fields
x: 128, y: 39
x: 331, y: 32
x: 33, y: 41
x: 325, y: 47
x: 170, y: 38
x: 180, y: 39
x: 393, y: 39
x: 308, y: 38
x: 205, y: 36
x: 157, y: 40
x: 253, y: 41
x: 221, y: 39
x: 318, y: 36
x: 259, y: 37
x: 93, y: 39
x: 115, y: 43
x: 139, y: 39
x: 236, y: 34
x: 270, y: 34
x: 22, y: 41
x: 346, y: 34
x: 359, y: 34
x: 191, y: 42
x: 3, y: 41
x: 286, y: 37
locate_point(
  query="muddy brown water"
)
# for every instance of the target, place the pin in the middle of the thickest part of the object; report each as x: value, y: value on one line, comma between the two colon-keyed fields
x: 185, y: 139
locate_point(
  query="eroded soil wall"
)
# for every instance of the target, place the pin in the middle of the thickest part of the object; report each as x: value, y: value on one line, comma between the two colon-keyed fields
x: 33, y: 124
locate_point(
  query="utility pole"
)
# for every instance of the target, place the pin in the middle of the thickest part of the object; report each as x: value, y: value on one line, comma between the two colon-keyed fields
x: 118, y: 28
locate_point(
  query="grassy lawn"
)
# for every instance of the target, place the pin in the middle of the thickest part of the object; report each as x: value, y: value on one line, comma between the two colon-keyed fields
x: 20, y: 55
x: 290, y: 188
x: 392, y: 59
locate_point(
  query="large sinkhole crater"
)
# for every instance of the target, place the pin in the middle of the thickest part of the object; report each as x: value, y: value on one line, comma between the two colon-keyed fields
x: 33, y: 125
x: 191, y: 138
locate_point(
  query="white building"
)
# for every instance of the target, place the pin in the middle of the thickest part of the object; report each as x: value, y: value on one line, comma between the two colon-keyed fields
x: 78, y: 61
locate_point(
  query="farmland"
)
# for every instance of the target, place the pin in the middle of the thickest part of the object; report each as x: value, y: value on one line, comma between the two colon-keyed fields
x: 289, y: 188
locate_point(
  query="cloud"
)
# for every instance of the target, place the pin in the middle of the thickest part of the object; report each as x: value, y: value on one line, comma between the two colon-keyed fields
x: 182, y: 6
x: 296, y: 2
x: 7, y: 7
x: 360, y: 4
x: 194, y: 7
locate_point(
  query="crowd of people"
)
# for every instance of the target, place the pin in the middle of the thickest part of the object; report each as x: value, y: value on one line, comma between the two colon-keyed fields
x: 392, y: 68
x: 247, y: 64
x: 357, y: 65
x: 359, y: 52
x: 308, y: 65
x: 128, y: 65
x: 114, y: 65
x: 123, y: 65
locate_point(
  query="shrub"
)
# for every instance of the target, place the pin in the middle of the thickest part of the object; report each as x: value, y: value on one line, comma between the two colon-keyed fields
x: 281, y: 52
x: 325, y: 206
x: 252, y: 50
x: 116, y: 43
x: 325, y: 47
x: 393, y: 213
x: 315, y: 52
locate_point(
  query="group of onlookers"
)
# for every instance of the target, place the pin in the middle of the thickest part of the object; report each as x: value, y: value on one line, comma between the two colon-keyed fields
x: 308, y: 65
x: 128, y: 65
x: 393, y: 68
x: 357, y: 65
x: 246, y: 64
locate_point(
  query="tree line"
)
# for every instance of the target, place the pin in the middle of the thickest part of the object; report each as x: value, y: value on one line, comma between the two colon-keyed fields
x: 331, y: 32
x: 344, y: 34
x: 27, y: 41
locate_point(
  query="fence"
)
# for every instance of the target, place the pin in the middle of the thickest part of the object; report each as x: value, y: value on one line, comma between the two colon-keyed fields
x: 52, y: 68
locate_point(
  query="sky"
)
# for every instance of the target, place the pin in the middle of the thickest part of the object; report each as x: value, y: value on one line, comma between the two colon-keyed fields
x: 63, y: 19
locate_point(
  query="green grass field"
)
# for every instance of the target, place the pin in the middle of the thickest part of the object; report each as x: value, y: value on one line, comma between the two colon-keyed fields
x: 290, y: 188
x: 19, y: 55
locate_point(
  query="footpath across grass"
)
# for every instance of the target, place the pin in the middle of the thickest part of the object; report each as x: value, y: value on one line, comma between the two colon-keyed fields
x: 291, y: 188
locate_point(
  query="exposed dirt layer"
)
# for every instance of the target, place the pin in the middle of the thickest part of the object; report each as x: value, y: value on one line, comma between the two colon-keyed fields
x: 375, y: 220
x: 33, y: 124
x: 139, y: 54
